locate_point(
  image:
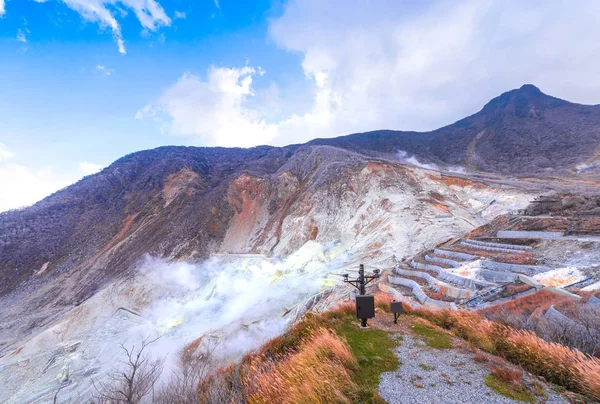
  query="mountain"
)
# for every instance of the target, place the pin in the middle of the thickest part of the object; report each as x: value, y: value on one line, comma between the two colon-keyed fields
x: 72, y: 264
x: 189, y: 202
x: 520, y: 132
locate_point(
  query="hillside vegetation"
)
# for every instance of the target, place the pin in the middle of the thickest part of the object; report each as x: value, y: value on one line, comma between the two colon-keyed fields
x: 326, y: 358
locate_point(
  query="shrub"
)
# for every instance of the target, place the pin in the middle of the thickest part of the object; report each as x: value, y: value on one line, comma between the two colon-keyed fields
x: 318, y: 373
x: 507, y: 375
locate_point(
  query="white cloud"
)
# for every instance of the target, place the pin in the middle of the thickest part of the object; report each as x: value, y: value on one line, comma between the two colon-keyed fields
x: 149, y: 13
x: 105, y: 70
x: 180, y: 14
x: 213, y: 110
x: 217, y: 4
x: 88, y: 168
x: 21, y: 37
x: 22, y: 186
x: 397, y: 65
x: 5, y: 154
x: 422, y: 65
x: 2, y: 10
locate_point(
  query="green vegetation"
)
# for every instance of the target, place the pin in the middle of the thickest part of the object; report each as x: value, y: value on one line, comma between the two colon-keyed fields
x: 373, y: 350
x: 510, y: 390
x: 434, y: 338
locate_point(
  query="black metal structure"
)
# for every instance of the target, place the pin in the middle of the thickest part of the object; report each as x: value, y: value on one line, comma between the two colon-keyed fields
x: 397, y: 309
x: 365, y: 304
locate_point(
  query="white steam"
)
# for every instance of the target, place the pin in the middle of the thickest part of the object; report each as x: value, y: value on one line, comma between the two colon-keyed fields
x: 240, y: 301
x: 236, y: 302
x: 407, y: 158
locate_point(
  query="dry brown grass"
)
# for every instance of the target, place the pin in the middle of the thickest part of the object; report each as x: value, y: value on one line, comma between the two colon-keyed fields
x: 480, y: 357
x: 317, y: 373
x: 506, y: 374
x: 526, y: 305
x: 557, y: 363
x: 382, y: 301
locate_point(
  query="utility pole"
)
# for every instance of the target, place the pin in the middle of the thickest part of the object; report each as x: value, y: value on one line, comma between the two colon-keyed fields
x: 365, y: 304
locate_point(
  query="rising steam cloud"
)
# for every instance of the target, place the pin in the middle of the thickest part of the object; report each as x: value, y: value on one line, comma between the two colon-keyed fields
x: 239, y: 301
x: 407, y: 158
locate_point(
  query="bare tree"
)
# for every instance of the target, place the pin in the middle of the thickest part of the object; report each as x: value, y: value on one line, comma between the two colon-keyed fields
x: 136, y: 378
x: 197, y: 380
x: 193, y: 368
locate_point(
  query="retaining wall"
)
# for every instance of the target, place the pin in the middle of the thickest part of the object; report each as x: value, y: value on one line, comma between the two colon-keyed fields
x: 506, y: 299
x: 529, y: 234
x: 448, y: 277
x: 594, y: 303
x: 409, y: 283
x: 437, y: 285
x: 556, y: 317
x: 453, y: 291
x: 428, y: 278
x: 495, y: 276
x: 399, y: 297
x: 468, y: 243
x: 452, y: 263
x: 455, y: 254
x: 500, y: 245
x: 522, y: 269
x: 418, y: 292
x: 420, y: 265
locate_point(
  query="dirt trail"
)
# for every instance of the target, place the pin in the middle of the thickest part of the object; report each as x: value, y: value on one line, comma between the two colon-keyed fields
x: 455, y: 374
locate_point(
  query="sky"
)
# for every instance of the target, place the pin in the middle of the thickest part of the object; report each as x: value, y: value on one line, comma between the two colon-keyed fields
x: 84, y: 82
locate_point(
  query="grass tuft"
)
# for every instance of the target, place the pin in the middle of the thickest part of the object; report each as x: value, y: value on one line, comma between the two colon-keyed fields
x: 373, y: 350
x: 510, y: 390
x: 434, y: 338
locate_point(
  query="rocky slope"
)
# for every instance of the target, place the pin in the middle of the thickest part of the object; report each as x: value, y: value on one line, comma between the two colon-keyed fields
x: 128, y: 248
x: 522, y: 131
x: 77, y: 272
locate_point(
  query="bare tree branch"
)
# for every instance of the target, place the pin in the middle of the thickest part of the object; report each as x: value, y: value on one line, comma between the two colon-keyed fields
x: 137, y: 378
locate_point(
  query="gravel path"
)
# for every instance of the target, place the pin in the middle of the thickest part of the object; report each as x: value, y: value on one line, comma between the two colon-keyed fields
x: 427, y: 375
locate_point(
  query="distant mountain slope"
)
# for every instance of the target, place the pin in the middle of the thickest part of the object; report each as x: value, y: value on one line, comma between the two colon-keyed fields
x: 522, y: 131
x: 181, y: 200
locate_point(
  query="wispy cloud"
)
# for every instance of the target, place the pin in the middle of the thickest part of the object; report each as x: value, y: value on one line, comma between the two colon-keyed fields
x: 149, y: 13
x: 180, y: 15
x: 217, y: 4
x: 89, y: 168
x: 105, y: 70
x: 2, y: 10
x: 5, y: 154
x: 21, y: 37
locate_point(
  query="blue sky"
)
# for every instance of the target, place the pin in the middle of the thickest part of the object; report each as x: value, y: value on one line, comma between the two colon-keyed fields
x: 83, y: 82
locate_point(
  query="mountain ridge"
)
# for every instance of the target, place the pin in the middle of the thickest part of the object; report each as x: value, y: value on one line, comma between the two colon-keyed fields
x: 76, y: 221
x: 520, y: 132
x: 73, y: 260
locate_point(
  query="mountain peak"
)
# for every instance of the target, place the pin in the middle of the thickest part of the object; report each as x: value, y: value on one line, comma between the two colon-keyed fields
x: 521, y: 100
x: 530, y: 88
